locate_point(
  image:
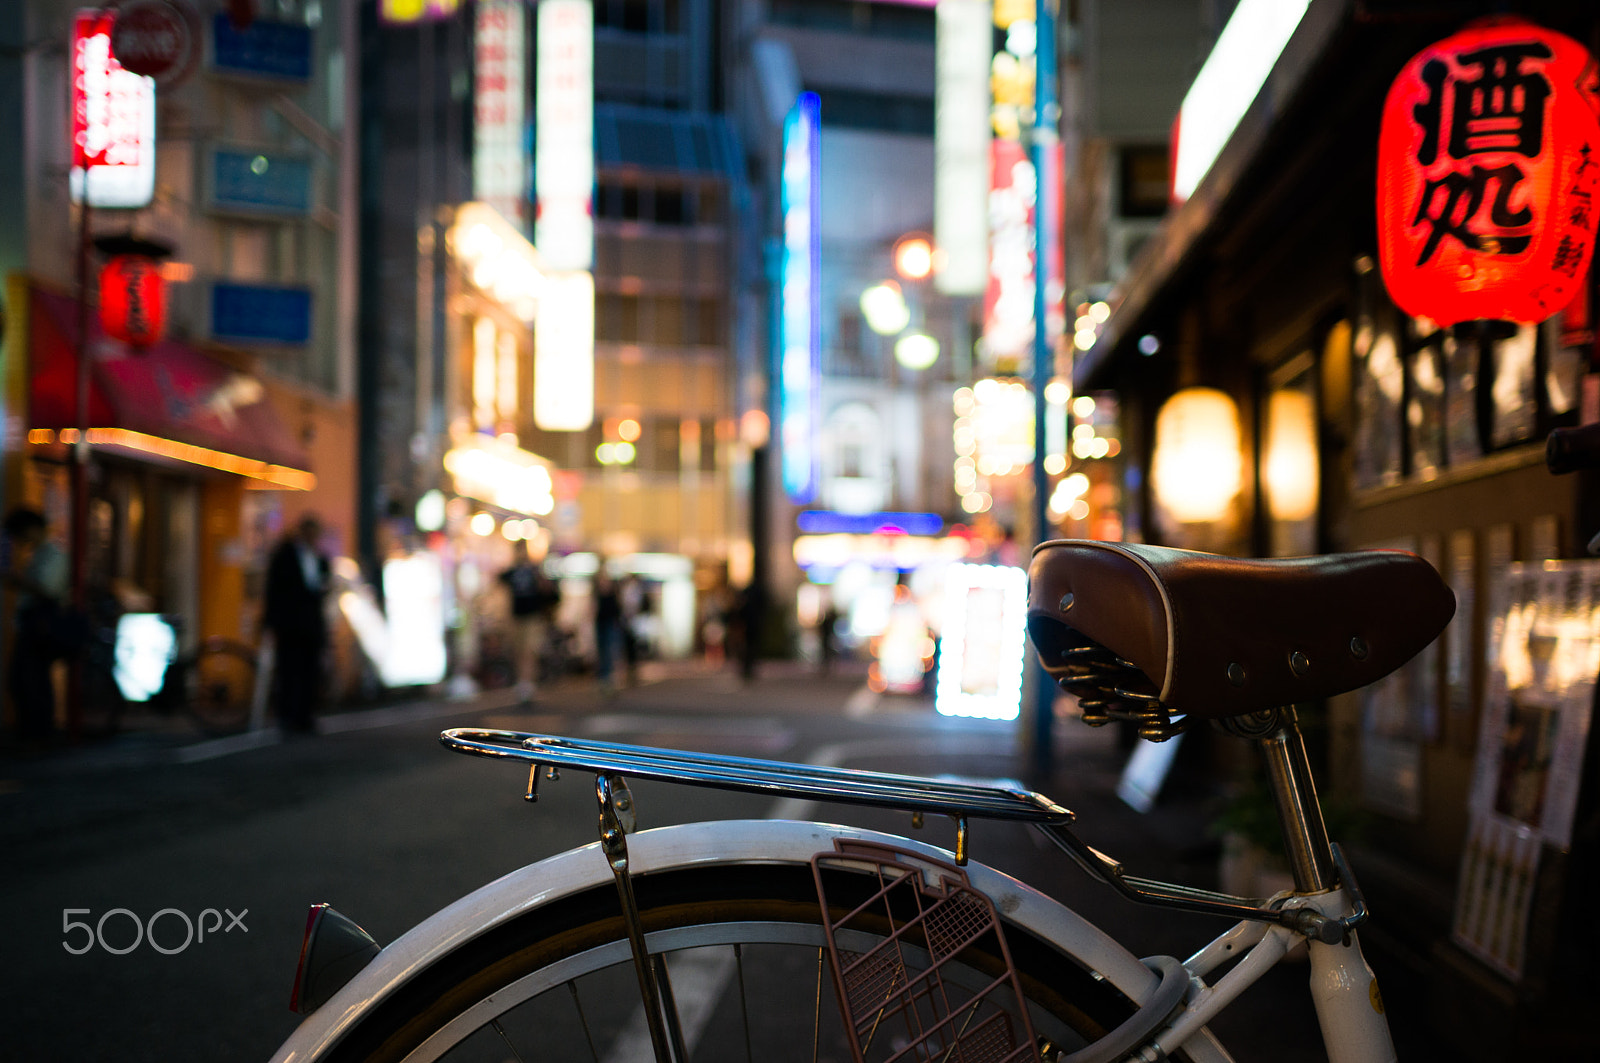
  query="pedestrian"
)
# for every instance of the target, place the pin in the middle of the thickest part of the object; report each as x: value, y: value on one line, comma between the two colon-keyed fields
x: 828, y: 632
x: 535, y: 597
x: 635, y: 615
x: 38, y: 572
x: 297, y: 585
x: 608, y: 633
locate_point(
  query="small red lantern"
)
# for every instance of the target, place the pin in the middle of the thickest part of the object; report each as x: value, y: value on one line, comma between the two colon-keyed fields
x: 133, y: 300
x: 1489, y: 174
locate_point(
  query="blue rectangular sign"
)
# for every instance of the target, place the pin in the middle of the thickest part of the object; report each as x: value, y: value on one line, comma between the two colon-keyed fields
x: 251, y: 182
x: 255, y: 313
x: 278, y: 50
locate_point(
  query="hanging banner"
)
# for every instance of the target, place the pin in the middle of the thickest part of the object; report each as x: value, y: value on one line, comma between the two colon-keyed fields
x: 113, y: 121
x: 1488, y: 169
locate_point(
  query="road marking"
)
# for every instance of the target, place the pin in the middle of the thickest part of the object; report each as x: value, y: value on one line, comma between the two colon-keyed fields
x: 863, y: 702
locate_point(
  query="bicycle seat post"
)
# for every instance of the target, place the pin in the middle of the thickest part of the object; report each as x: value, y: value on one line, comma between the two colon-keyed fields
x: 1305, y: 835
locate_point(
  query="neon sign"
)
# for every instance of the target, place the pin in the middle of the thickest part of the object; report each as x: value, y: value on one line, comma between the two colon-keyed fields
x: 113, y: 121
x: 800, y: 316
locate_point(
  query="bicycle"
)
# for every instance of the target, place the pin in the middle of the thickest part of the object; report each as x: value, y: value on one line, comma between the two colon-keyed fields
x: 929, y: 955
x: 215, y: 683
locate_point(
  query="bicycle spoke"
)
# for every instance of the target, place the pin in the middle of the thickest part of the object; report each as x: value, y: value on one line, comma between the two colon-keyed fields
x: 744, y: 1004
x: 583, y: 1020
x: 501, y: 1030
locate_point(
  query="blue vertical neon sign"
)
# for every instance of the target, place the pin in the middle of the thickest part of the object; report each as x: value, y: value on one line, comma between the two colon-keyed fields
x: 800, y: 299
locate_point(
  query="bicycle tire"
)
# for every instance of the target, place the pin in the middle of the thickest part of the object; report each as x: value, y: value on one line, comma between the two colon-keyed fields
x: 220, y: 682
x: 525, y: 985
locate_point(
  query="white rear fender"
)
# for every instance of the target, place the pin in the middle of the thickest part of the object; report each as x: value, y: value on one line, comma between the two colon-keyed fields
x: 722, y: 841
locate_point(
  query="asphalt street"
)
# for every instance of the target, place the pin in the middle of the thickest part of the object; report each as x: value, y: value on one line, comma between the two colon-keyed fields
x: 374, y: 817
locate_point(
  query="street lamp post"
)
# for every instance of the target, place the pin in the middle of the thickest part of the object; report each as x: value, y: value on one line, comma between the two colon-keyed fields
x: 1045, y: 138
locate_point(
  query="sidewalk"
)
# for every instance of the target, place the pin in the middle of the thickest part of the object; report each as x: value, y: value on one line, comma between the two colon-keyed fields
x: 148, y: 739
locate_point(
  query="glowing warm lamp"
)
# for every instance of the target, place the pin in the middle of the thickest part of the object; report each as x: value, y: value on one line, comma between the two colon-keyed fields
x: 913, y: 258
x: 1196, y: 469
x: 1291, y: 459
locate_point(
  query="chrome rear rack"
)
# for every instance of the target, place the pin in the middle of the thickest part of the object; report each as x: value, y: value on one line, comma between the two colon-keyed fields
x: 909, y: 793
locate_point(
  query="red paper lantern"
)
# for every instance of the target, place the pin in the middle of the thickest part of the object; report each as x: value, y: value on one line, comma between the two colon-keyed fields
x: 1489, y: 174
x: 133, y: 300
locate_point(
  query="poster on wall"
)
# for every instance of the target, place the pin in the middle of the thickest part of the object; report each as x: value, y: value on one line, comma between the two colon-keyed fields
x: 1544, y: 653
x: 1543, y: 657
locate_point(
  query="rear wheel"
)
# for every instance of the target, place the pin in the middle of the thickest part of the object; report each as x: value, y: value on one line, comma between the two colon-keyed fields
x: 747, y: 970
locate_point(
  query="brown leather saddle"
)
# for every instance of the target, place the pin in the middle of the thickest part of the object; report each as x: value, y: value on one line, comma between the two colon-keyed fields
x: 1214, y: 636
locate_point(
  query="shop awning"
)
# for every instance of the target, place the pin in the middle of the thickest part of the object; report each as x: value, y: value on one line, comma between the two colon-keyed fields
x: 169, y: 400
x: 1170, y: 250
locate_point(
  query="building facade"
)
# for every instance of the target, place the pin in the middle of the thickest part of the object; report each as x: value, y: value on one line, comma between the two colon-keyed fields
x: 206, y: 444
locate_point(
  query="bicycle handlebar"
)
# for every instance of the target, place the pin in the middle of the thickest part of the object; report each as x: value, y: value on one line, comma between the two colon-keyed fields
x: 1571, y: 449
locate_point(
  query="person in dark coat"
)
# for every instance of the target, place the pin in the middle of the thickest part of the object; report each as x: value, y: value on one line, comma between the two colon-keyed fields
x: 38, y: 571
x: 297, y: 585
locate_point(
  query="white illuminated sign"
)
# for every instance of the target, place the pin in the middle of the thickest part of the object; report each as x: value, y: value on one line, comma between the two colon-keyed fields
x: 113, y: 121
x: 982, y: 642
x: 144, y: 650
x: 497, y: 471
x: 1227, y: 85
x: 800, y: 357
x: 497, y: 258
x: 961, y: 145
x: 564, y: 135
x: 563, y: 353
x: 413, y: 597
x: 500, y: 85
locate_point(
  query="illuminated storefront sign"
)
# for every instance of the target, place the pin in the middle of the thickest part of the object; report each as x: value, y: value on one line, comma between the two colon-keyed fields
x: 563, y: 353
x: 497, y: 259
x: 822, y: 554
x: 500, y: 82
x: 113, y: 121
x: 499, y: 472
x: 800, y: 360
x: 982, y: 642
x: 993, y: 438
x: 401, y: 12
x: 1227, y: 85
x: 564, y: 135
x: 1488, y: 173
x: 961, y: 146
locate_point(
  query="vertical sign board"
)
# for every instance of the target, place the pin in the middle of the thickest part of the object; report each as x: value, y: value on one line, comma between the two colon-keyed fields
x: 564, y: 135
x: 113, y: 121
x: 563, y: 376
x: 961, y: 146
x: 800, y: 295
x: 1008, y: 300
x: 563, y: 353
x: 499, y: 164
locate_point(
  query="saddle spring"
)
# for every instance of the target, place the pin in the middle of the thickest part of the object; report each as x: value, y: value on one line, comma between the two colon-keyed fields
x: 1106, y: 688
